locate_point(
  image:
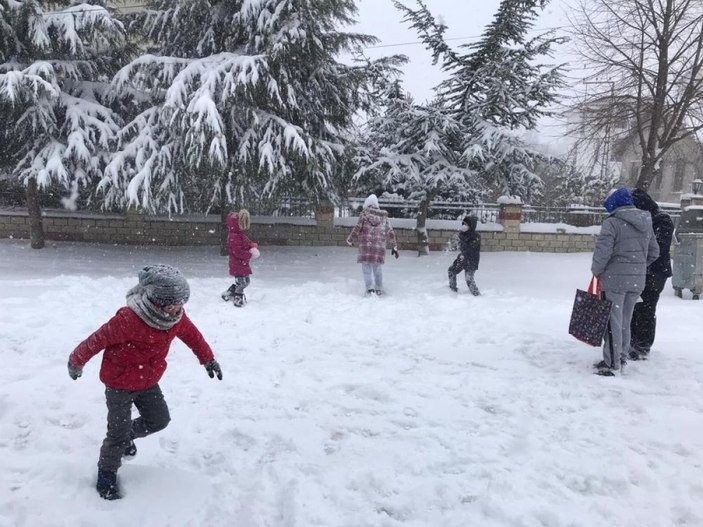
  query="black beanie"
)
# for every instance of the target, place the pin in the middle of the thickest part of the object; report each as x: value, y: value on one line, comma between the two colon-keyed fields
x: 467, y: 220
x: 164, y: 285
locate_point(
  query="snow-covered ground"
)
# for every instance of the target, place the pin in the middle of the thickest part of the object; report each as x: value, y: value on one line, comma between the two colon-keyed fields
x: 422, y: 408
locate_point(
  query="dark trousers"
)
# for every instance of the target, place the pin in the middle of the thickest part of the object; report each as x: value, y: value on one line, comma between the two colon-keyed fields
x: 458, y: 266
x: 644, y: 318
x: 153, y: 416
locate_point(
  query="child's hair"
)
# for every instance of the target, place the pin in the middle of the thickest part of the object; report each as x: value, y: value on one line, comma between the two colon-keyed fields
x: 244, y: 219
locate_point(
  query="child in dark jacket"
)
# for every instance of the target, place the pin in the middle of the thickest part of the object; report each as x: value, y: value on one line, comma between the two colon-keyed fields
x: 470, y: 253
x: 241, y: 250
x: 136, y: 342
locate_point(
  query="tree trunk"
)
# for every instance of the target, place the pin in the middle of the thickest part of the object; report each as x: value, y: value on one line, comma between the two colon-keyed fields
x: 224, y: 211
x: 650, y: 148
x: 36, y: 229
x: 648, y: 172
x: 423, y: 242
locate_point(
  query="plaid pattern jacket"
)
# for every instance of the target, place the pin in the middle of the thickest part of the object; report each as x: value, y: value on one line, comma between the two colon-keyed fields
x: 372, y: 231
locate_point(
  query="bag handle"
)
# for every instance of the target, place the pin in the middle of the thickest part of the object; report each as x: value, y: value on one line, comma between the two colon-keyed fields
x: 594, y: 286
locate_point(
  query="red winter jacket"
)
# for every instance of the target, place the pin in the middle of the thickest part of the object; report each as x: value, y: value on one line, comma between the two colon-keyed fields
x: 238, y: 245
x: 135, y: 353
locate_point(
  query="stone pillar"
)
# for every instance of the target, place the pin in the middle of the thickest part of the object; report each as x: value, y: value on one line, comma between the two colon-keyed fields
x: 324, y: 215
x: 694, y: 198
x: 509, y: 216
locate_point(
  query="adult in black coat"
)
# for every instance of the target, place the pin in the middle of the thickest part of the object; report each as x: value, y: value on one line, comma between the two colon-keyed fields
x: 470, y: 254
x: 644, y: 319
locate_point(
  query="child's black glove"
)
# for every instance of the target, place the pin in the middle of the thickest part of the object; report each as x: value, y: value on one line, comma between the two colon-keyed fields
x: 213, y: 368
x: 74, y: 371
x: 394, y: 252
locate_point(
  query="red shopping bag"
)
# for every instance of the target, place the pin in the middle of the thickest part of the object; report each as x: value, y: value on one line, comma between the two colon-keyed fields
x: 590, y: 314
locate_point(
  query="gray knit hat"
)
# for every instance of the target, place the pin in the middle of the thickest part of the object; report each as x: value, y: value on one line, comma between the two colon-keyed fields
x: 164, y: 285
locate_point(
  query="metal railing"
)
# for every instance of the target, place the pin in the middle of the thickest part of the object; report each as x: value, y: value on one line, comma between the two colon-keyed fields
x: 446, y: 210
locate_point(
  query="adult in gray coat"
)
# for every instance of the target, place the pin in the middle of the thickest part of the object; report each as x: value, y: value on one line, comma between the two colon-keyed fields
x: 625, y: 247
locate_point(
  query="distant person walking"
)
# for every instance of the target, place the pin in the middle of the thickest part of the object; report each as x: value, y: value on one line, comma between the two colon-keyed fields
x: 241, y: 251
x: 625, y: 247
x: 373, y: 231
x: 469, y: 255
x: 644, y: 317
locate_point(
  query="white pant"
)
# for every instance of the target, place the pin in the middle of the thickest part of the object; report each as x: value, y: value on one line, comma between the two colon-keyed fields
x: 373, y: 274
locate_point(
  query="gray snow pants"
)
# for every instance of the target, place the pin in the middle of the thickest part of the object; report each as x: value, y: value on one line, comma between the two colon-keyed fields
x: 240, y: 284
x: 457, y: 267
x: 617, y: 339
x: 373, y: 274
x: 153, y: 416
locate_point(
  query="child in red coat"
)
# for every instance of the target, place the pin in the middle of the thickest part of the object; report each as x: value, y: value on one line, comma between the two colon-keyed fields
x: 136, y: 342
x: 241, y: 250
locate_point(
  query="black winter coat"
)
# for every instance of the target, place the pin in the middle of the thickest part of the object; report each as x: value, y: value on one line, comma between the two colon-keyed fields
x: 470, y: 248
x: 663, y: 231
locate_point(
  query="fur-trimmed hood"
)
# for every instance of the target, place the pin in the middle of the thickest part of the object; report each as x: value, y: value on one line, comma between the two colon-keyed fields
x: 375, y: 216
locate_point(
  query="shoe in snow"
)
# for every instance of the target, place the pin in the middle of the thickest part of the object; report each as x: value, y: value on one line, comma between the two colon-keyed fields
x: 605, y: 372
x: 227, y: 295
x: 378, y: 292
x: 634, y: 355
x: 370, y: 292
x: 131, y: 449
x: 107, y: 485
x: 238, y: 299
x: 603, y: 369
x: 454, y: 288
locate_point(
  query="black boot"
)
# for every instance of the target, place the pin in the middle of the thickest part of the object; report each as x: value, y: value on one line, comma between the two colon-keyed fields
x: 227, y: 295
x: 107, y: 485
x: 131, y: 449
x: 238, y: 300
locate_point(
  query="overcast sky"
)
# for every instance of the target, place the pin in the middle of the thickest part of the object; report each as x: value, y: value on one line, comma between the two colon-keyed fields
x: 466, y: 20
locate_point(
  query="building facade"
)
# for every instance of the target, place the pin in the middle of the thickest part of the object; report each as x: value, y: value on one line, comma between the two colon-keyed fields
x: 682, y: 163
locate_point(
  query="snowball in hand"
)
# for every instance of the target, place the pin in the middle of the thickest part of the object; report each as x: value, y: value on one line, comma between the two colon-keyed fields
x: 254, y: 253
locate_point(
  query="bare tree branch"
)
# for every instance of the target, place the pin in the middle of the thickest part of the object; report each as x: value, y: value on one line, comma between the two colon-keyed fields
x: 649, y: 53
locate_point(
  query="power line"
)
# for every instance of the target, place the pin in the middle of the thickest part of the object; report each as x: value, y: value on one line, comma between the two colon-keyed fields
x: 468, y: 37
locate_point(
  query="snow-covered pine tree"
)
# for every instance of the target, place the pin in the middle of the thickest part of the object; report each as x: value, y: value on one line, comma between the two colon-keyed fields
x: 413, y: 150
x: 248, y: 101
x: 495, y: 89
x: 55, y: 93
x: 564, y: 182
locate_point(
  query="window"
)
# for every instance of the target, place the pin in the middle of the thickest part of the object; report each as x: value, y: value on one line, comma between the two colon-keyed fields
x: 679, y: 175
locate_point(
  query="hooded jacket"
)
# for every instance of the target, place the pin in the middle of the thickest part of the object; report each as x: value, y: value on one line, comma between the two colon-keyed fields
x: 663, y: 231
x: 238, y: 246
x: 470, y: 245
x: 625, y: 247
x: 372, y: 231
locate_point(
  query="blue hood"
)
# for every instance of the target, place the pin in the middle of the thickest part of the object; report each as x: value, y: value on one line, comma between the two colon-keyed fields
x: 620, y: 198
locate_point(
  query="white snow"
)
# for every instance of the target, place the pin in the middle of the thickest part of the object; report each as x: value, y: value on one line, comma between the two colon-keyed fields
x: 421, y: 408
x: 509, y: 200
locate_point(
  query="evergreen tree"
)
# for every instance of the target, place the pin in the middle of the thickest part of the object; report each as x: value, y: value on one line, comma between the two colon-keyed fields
x: 55, y: 94
x: 495, y: 89
x: 412, y: 150
x: 564, y: 182
x: 247, y: 100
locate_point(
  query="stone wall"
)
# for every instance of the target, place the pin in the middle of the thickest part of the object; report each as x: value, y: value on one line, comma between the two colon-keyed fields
x: 134, y: 229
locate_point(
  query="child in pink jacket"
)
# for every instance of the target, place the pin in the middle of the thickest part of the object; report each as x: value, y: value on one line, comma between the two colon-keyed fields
x: 241, y: 250
x: 373, y: 231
